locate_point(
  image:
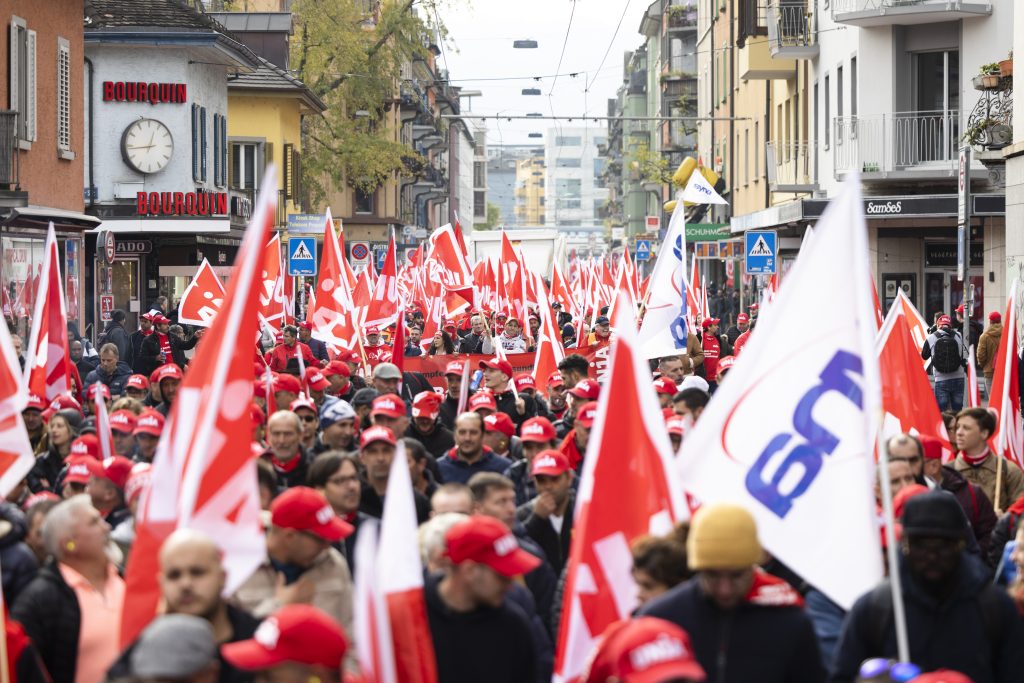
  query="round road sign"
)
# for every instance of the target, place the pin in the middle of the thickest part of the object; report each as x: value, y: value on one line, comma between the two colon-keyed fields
x: 108, y: 245
x: 359, y: 251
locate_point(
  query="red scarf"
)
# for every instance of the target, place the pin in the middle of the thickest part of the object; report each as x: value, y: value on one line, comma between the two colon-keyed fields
x: 165, y: 346
x: 571, y: 451
x: 285, y: 466
x: 771, y: 591
x: 976, y: 460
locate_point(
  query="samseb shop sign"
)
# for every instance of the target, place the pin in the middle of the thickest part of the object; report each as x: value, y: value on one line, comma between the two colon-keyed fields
x: 182, y: 203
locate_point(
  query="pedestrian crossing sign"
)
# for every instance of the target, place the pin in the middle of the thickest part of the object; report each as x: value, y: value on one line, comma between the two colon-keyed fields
x: 302, y: 256
x: 760, y: 252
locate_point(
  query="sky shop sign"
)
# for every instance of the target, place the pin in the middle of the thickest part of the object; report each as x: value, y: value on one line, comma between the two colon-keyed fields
x: 141, y: 91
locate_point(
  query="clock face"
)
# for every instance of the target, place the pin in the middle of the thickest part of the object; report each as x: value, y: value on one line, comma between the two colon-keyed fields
x: 147, y: 146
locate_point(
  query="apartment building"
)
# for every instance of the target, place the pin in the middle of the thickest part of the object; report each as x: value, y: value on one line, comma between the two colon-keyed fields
x: 574, y: 192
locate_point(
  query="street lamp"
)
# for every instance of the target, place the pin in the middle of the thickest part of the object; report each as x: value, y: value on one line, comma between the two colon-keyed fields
x: 526, y: 44
x: 535, y: 135
x: 535, y: 114
x: 531, y: 91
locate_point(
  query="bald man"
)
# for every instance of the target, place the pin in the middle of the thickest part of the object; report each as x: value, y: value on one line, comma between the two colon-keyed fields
x: 191, y: 582
x: 286, y: 453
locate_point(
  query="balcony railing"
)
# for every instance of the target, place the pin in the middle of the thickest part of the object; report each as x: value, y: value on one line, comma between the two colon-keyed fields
x: 9, y: 171
x: 791, y: 166
x: 888, y: 12
x: 682, y: 18
x: 915, y: 141
x: 792, y: 29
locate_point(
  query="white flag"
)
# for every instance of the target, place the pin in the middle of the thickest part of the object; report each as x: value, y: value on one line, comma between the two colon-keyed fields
x: 665, y: 329
x: 789, y: 434
x: 699, y: 191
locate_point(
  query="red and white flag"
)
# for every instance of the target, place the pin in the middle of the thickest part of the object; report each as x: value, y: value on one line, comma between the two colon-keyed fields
x: 47, y: 359
x: 204, y: 460
x: 915, y: 321
x: 392, y: 611
x: 202, y: 298
x: 908, y: 401
x: 1004, y: 399
x: 550, y: 351
x: 561, y: 292
x: 272, y: 300
x: 330, y: 314
x: 790, y: 434
x: 16, y: 458
x: 449, y: 262
x: 629, y: 457
x: 383, y: 307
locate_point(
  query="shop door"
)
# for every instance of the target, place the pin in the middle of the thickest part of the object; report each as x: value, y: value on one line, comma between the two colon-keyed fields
x: 118, y: 286
x: 944, y: 292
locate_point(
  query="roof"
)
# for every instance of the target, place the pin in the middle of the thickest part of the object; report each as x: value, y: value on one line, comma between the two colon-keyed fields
x: 255, y: 22
x: 269, y: 76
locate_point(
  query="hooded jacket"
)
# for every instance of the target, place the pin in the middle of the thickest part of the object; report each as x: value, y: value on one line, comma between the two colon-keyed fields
x: 48, y: 610
x: 115, y: 381
x: 976, y: 505
x: 988, y: 346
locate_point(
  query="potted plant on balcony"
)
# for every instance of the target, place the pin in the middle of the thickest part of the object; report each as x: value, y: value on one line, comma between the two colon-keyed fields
x: 980, y: 133
x: 988, y: 77
x: 1006, y: 66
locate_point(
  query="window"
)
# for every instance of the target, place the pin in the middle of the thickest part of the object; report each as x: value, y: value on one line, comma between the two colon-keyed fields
x: 569, y: 204
x: 479, y: 174
x: 363, y: 201
x: 599, y: 165
x: 23, y: 79
x: 571, y: 141
x: 216, y: 149
x: 64, y: 99
x: 757, y: 150
x: 853, y: 86
x: 195, y: 143
x: 246, y: 168
x: 746, y: 155
x: 814, y: 133
x: 600, y: 141
x: 828, y: 115
x: 479, y: 205
x: 568, y: 187
x: 223, y: 150
x: 839, y: 93
x: 202, y: 143
x: 567, y: 163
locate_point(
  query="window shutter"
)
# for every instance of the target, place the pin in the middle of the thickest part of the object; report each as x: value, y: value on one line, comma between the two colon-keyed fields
x: 288, y: 170
x: 296, y: 176
x: 202, y: 143
x: 268, y: 155
x: 195, y: 142
x: 30, y: 89
x: 63, y: 95
x: 224, y: 150
x: 14, y: 43
x: 231, y: 171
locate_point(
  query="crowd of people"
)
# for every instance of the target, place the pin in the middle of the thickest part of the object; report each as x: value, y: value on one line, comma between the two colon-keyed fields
x: 495, y: 472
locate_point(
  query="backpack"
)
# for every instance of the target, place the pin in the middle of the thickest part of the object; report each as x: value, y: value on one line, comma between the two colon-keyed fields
x: 946, y: 353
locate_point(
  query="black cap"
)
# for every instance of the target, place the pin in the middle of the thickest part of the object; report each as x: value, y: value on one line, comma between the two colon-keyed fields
x: 364, y: 397
x: 601, y: 320
x: 936, y: 514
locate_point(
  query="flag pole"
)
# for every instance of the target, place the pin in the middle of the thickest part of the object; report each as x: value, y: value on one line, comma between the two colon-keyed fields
x: 895, y: 581
x: 999, y: 480
x: 5, y: 672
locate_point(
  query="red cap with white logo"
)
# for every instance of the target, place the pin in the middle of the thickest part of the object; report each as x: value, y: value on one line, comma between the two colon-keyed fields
x: 388, y: 405
x: 305, y: 509
x: 168, y: 371
x: 500, y: 422
x: 525, y: 382
x: 664, y: 385
x: 316, y: 380
x: 137, y: 382
x: 587, y: 414
x: 86, y: 444
x: 586, y: 389
x: 644, y: 650
x: 149, y: 422
x: 488, y: 541
x: 455, y: 367
x: 550, y: 463
x: 376, y: 433
x: 537, y: 430
x: 287, y: 636
x: 482, y: 400
x: 123, y: 421
x: 80, y: 468
x: 426, y: 404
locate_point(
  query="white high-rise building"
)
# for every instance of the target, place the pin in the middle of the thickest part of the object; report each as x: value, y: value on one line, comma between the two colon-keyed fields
x: 574, y: 193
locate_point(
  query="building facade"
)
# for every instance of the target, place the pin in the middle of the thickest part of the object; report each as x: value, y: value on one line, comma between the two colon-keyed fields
x: 574, y: 194
x: 529, y: 195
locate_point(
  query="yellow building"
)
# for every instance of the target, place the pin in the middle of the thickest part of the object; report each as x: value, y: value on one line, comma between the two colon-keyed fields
x: 529, y: 193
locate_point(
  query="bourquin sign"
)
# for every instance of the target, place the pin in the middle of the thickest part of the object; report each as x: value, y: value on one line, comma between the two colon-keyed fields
x: 182, y: 203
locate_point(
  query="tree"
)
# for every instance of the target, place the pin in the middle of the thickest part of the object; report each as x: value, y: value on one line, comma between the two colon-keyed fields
x: 352, y: 59
x: 493, y: 218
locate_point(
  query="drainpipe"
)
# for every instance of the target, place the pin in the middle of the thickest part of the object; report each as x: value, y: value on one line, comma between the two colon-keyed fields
x: 92, y: 197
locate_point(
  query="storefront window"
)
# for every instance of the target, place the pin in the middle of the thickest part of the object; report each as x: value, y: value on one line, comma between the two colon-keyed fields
x: 21, y: 257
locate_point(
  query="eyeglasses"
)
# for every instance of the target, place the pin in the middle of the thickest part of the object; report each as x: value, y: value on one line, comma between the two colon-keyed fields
x: 898, y: 672
x: 308, y: 418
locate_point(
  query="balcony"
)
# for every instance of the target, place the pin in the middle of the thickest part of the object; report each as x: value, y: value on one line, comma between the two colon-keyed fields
x: 756, y: 62
x: 790, y: 166
x: 682, y: 18
x: 792, y: 30
x: 909, y: 145
x: 868, y: 13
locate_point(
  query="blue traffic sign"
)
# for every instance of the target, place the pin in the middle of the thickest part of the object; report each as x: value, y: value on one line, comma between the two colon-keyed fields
x: 382, y: 256
x: 302, y: 256
x: 760, y: 252
x: 643, y: 250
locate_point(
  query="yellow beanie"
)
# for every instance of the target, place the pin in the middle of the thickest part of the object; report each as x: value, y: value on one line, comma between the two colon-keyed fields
x: 723, y: 536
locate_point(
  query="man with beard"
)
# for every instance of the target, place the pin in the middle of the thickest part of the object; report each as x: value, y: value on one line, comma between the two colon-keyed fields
x: 376, y: 451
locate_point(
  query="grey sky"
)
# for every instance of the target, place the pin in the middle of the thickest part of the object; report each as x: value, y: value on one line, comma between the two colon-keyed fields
x: 483, y: 33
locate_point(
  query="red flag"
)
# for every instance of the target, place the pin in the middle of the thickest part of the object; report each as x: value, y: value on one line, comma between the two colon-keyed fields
x: 562, y: 293
x: 202, y: 298
x: 628, y: 458
x: 272, y: 302
x: 550, y: 351
x: 447, y: 262
x: 331, y: 312
x: 908, y: 401
x: 16, y: 458
x: 398, y: 345
x: 383, y: 306
x: 204, y: 460
x: 1005, y: 397
x: 879, y: 319
x: 47, y: 360
x: 361, y: 296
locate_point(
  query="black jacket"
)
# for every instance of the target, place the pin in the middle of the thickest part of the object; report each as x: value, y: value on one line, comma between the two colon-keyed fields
x: 115, y: 381
x: 471, y: 343
x: 48, y: 610
x: 542, y: 581
x: 116, y: 334
x: 17, y: 559
x: 519, y: 475
x: 506, y: 402
x: 976, y: 631
x: 767, y: 644
x: 437, y: 443
x: 151, y: 352
x: 975, y: 504
x: 46, y: 472
x: 492, y: 644
x: 373, y: 505
x: 135, y: 340
x: 295, y: 477
x: 554, y: 545
x: 449, y: 407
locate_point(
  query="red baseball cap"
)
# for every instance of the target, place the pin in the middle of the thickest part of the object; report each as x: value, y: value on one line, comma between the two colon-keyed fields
x: 426, y: 404
x: 586, y: 388
x: 708, y: 322
x: 35, y: 403
x: 304, y: 324
x: 300, y: 403
x: 960, y: 308
x: 664, y: 385
x: 86, y: 444
x: 488, y: 541
x: 482, y: 399
x: 995, y: 317
x: 725, y: 363
x: 555, y: 379
x: 137, y: 382
x: 80, y: 468
x: 168, y: 371
x: 337, y: 368
x: 931, y: 446
x: 316, y: 380
x: 943, y: 676
x: 123, y: 421
x: 305, y: 509
x: 644, y: 650
x: 586, y: 415
x: 944, y: 321
x: 455, y: 367
x: 347, y: 356
x: 116, y: 470
x: 376, y: 433
x: 287, y: 636
x: 524, y: 381
x: 65, y: 402
x: 103, y: 389
x: 498, y: 364
x: 742, y: 318
x: 39, y: 498
x: 500, y: 422
x: 550, y: 463
x: 161, y: 319
x: 289, y: 383
x: 372, y: 329
x: 388, y: 405
x: 139, y: 479
x: 537, y: 430
x: 149, y: 422
x: 154, y: 376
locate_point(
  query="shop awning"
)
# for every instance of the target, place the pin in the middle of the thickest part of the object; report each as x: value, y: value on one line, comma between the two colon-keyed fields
x: 41, y: 216
x: 157, y: 225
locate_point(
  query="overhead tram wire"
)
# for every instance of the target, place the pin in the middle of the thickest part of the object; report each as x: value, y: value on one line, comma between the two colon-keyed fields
x: 609, y: 48
x: 551, y: 107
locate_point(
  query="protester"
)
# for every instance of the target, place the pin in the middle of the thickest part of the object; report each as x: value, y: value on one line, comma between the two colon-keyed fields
x: 691, y: 402
x: 72, y: 609
x: 548, y: 517
x: 955, y: 617
x: 168, y: 378
x: 286, y: 453
x: 500, y: 437
x: 659, y: 564
x: 32, y: 416
x: 114, y: 333
x: 538, y: 434
x: 106, y: 485
x: 161, y: 347
x: 945, y: 348
x: 335, y: 474
x: 473, y: 628
x: 474, y: 341
x: 988, y: 347
x: 337, y: 427
x: 135, y: 340
x: 979, y: 465
x: 308, y: 417
x: 469, y: 455
x: 301, y: 565
x: 572, y: 369
x: 574, y: 445
x: 377, y: 446
x: 452, y: 497
x: 510, y: 340
x: 644, y: 650
x: 497, y: 375
x: 746, y: 624
x: 84, y: 364
x: 285, y: 356
x: 317, y: 347
x: 62, y: 429
x: 712, y: 348
x: 426, y: 426
x: 449, y: 407
x: 148, y: 428
x: 422, y: 467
